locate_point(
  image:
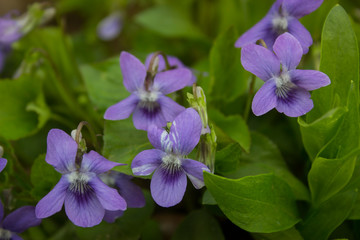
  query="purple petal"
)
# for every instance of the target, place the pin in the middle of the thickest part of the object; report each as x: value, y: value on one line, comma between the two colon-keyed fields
x: 122, y: 109
x: 111, y: 216
x: 185, y: 131
x: 296, y: 104
x: 94, y: 162
x: 110, y: 27
x: 301, y: 34
x: 260, y: 61
x: 172, y: 80
x: 194, y: 170
x: 169, y: 108
x: 84, y: 209
x: 108, y: 197
x: 131, y: 192
x: 168, y: 186
x: 289, y: 51
x: 9, y: 31
x: 173, y: 62
x: 265, y: 99
x: 61, y: 151
x: 133, y: 72
x: 144, y: 118
x: 21, y: 219
x: 300, y: 8
x: 15, y: 237
x: 146, y: 162
x: 309, y: 79
x: 53, y: 201
x: 155, y: 134
x: 3, y: 163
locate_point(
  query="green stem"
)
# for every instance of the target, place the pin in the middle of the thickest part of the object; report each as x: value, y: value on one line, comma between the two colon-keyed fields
x: 249, y: 98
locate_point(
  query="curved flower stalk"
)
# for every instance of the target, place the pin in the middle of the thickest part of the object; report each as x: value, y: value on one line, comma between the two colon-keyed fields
x: 110, y: 27
x: 168, y: 160
x: 17, y: 222
x: 282, y: 17
x: 80, y: 189
x: 147, y: 101
x: 132, y: 193
x: 286, y: 88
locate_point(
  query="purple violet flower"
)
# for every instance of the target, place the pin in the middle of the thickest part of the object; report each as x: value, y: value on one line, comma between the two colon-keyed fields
x: 3, y: 163
x: 282, y: 17
x: 17, y: 222
x: 147, y: 101
x: 85, y: 196
x: 286, y: 88
x: 168, y: 160
x: 174, y: 63
x: 131, y: 192
x: 110, y: 27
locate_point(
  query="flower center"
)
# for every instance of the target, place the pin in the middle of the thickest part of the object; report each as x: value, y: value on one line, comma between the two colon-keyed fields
x: 148, y: 100
x: 5, y: 234
x: 171, y: 162
x: 280, y: 21
x: 79, y: 182
x: 283, y: 85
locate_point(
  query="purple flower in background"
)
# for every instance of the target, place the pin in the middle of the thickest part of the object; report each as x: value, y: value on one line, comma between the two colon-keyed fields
x: 147, y: 101
x: 174, y: 63
x: 17, y: 222
x: 110, y: 27
x: 168, y: 160
x: 128, y: 190
x: 286, y: 88
x: 282, y: 17
x: 3, y: 163
x: 85, y: 196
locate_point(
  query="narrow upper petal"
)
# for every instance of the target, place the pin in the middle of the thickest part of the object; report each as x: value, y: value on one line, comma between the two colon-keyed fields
x: 309, y: 79
x: 259, y: 31
x: 301, y: 34
x: 61, y: 150
x: 131, y: 192
x: 143, y: 118
x: 265, y: 99
x: 172, y: 80
x: 53, y: 201
x: 296, y: 104
x: 21, y: 219
x: 289, y: 51
x: 156, y: 136
x: 169, y: 108
x: 122, y: 109
x: 300, y: 8
x: 168, y: 186
x: 146, y: 162
x: 111, y: 216
x: 194, y: 170
x: 185, y: 131
x: 84, y: 210
x: 260, y: 61
x: 3, y: 163
x: 94, y: 162
x: 109, y: 197
x: 133, y: 72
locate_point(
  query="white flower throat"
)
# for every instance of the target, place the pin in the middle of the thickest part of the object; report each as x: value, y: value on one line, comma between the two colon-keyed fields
x: 5, y: 234
x: 148, y: 99
x: 79, y: 182
x: 280, y: 21
x: 283, y: 85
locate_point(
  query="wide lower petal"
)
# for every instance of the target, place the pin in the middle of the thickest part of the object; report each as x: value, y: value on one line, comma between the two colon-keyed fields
x: 146, y: 162
x: 185, y: 131
x: 300, y: 8
x: 84, y: 209
x: 296, y: 104
x: 172, y: 80
x: 265, y: 99
x: 94, y: 162
x: 109, y: 197
x: 168, y: 186
x: 21, y: 219
x: 131, y: 192
x: 3, y: 163
x: 289, y: 51
x: 169, y: 108
x: 301, y: 34
x: 53, y: 201
x: 61, y: 151
x: 133, y: 71
x: 259, y: 31
x: 122, y: 109
x: 144, y: 118
x: 194, y: 170
x: 309, y: 79
x: 260, y: 61
x: 111, y: 216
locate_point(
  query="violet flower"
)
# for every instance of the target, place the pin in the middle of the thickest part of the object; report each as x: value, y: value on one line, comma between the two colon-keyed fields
x: 110, y: 27
x: 286, y: 88
x: 147, y: 101
x: 168, y: 160
x: 85, y: 196
x: 17, y: 222
x: 3, y: 163
x: 132, y: 193
x: 282, y: 17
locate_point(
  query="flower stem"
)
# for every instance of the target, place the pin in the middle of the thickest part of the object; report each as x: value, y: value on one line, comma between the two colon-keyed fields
x: 249, y: 97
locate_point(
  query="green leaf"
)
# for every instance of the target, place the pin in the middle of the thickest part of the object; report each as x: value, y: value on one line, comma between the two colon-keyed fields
x: 122, y: 142
x: 169, y: 22
x: 291, y: 233
x: 229, y: 80
x: 199, y: 224
x: 234, y: 126
x: 208, y: 199
x: 262, y: 203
